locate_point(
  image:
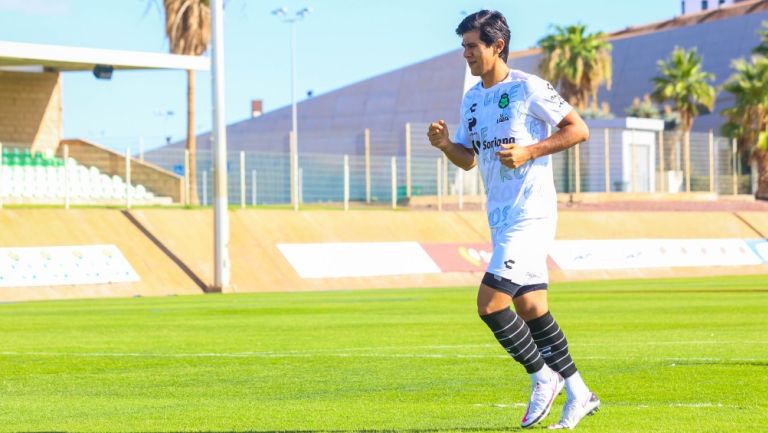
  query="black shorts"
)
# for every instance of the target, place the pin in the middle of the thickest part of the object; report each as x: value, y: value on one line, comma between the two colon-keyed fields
x: 506, y: 286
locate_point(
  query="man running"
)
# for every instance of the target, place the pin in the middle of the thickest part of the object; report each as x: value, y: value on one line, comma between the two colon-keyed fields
x: 504, y: 130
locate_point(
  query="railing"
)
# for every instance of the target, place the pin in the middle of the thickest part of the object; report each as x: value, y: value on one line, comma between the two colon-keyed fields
x: 382, y: 169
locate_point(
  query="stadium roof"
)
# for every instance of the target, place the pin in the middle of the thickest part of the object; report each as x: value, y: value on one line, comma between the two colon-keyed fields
x: 730, y: 11
x: 24, y: 56
x: 737, y: 9
x: 432, y: 89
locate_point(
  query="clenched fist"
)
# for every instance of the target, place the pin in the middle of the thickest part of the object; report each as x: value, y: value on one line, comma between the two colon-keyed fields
x: 513, y: 155
x: 438, y: 134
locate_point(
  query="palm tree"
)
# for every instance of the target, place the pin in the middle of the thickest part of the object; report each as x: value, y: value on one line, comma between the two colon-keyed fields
x: 188, y: 28
x: 748, y: 118
x: 762, y: 49
x: 684, y: 83
x: 577, y: 63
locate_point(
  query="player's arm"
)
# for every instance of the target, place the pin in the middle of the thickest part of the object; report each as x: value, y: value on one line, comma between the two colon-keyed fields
x: 458, y: 154
x: 571, y: 131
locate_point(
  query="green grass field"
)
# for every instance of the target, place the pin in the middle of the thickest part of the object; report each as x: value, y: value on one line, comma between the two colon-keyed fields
x: 664, y: 355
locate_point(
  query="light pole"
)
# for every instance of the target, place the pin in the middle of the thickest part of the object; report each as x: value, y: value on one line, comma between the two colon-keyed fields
x: 222, y: 266
x: 292, y: 19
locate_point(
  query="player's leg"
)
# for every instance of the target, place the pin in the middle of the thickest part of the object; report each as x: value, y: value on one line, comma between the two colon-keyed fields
x: 553, y: 347
x: 493, y: 304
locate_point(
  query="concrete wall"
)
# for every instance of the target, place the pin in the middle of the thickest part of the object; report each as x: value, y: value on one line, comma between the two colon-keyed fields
x: 56, y: 227
x: 30, y: 110
x: 257, y: 265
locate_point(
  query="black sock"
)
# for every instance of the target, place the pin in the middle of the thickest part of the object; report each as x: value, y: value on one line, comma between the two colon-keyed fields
x: 552, y: 344
x: 515, y: 337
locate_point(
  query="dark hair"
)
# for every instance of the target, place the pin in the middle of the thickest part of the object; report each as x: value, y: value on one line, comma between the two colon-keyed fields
x: 492, y: 26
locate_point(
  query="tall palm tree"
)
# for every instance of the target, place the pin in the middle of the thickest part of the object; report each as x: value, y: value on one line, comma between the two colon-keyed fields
x: 762, y: 49
x: 683, y: 82
x: 748, y: 117
x: 577, y: 63
x: 188, y: 28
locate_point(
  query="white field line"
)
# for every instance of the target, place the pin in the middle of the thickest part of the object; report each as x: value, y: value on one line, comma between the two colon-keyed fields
x: 348, y: 351
x: 373, y: 352
x: 347, y: 355
x: 633, y: 405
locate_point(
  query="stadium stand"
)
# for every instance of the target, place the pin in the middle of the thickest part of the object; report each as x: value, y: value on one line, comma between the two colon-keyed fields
x: 37, y: 178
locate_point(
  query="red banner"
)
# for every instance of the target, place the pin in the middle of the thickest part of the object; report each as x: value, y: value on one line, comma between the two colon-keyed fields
x: 460, y: 257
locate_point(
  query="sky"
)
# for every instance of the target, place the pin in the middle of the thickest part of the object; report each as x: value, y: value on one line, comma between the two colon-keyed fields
x: 340, y: 42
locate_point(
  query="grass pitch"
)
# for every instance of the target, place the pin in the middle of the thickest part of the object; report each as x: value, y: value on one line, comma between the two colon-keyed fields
x: 664, y: 356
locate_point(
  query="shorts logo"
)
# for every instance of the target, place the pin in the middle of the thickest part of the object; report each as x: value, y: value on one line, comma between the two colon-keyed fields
x: 504, y: 101
x: 508, y: 264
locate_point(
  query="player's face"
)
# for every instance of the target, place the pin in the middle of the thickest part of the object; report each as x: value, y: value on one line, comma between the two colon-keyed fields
x: 480, y: 57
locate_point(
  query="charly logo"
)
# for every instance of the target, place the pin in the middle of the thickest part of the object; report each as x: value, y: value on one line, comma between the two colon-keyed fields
x: 504, y: 101
x: 508, y: 264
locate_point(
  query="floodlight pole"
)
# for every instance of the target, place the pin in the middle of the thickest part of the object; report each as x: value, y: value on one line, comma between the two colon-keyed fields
x: 220, y: 200
x: 284, y: 14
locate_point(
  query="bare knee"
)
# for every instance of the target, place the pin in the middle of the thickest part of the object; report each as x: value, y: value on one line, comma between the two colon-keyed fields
x: 530, y: 312
x: 531, y: 305
x: 486, y: 309
x: 490, y: 300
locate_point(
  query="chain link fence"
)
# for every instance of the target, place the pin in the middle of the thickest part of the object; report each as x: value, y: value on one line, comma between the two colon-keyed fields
x: 373, y: 168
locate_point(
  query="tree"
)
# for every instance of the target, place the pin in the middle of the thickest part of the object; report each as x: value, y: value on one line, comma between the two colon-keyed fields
x: 643, y: 109
x: 748, y: 117
x: 683, y: 82
x: 577, y: 63
x: 762, y: 49
x: 188, y: 28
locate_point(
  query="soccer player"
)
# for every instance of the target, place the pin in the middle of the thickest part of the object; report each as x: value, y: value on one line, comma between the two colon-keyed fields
x: 503, y: 129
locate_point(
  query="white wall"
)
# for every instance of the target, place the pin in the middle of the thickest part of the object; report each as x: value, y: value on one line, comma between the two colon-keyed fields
x: 693, y: 6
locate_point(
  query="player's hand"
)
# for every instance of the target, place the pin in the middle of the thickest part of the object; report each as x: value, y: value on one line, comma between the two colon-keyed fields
x: 438, y: 135
x: 514, y: 155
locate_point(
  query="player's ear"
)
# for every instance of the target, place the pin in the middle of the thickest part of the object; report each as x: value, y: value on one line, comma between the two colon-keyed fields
x: 499, y: 46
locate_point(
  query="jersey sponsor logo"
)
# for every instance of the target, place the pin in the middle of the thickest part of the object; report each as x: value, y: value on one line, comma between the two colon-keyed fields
x: 503, y: 117
x: 497, y: 142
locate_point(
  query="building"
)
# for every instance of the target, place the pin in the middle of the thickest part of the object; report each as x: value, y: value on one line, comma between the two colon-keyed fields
x: 335, y: 122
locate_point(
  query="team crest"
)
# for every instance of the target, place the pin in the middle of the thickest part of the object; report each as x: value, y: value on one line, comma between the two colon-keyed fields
x: 504, y: 101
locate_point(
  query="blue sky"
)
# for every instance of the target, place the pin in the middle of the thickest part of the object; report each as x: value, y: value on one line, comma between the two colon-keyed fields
x: 341, y: 42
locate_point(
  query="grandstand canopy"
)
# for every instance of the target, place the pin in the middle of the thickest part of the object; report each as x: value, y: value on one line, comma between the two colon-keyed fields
x: 29, y: 57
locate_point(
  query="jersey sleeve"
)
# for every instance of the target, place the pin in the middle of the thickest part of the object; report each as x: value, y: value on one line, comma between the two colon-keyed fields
x: 545, y: 103
x: 461, y: 136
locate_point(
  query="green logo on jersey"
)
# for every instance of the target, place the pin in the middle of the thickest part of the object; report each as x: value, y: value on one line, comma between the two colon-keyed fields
x: 504, y: 101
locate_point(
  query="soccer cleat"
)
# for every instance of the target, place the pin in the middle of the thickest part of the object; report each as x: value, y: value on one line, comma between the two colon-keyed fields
x: 575, y: 410
x: 542, y: 397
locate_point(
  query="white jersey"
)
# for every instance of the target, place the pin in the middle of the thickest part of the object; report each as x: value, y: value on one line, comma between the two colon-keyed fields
x: 514, y: 111
x: 522, y: 203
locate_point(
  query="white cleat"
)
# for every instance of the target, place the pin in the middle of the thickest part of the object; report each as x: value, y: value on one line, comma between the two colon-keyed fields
x: 575, y: 410
x: 542, y: 397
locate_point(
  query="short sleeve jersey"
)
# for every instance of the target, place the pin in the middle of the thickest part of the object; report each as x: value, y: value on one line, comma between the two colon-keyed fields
x: 518, y: 111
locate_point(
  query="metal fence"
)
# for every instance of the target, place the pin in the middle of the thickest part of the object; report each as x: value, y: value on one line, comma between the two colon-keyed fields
x: 387, y: 172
